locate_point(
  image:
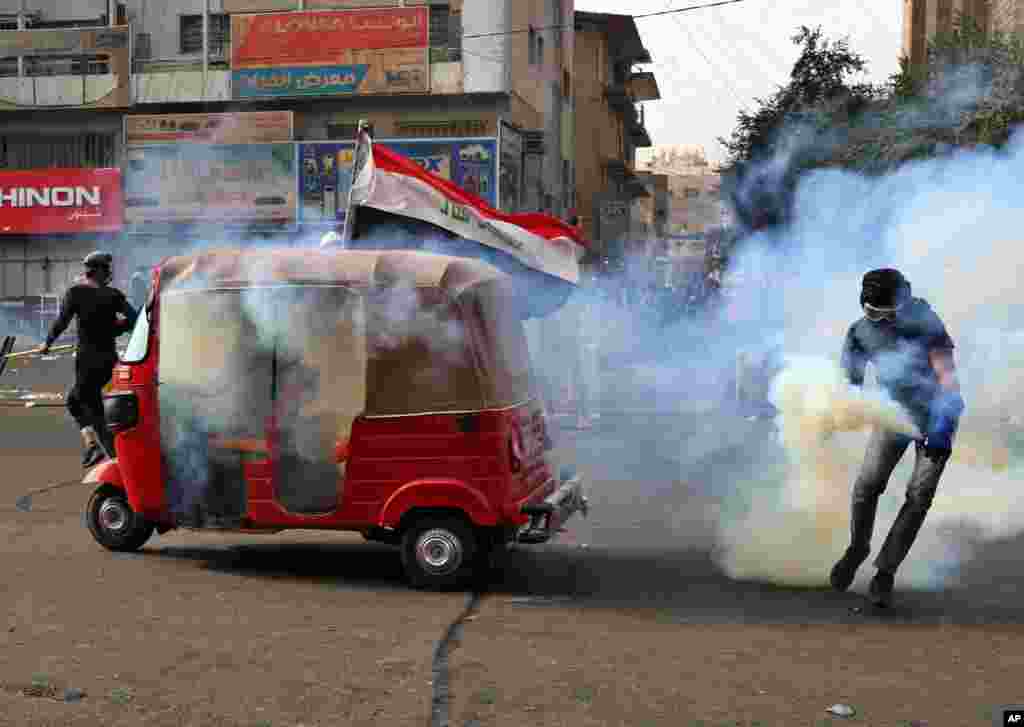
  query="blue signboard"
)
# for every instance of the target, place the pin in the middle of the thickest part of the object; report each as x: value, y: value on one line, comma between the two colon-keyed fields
x: 325, y: 171
x: 302, y: 81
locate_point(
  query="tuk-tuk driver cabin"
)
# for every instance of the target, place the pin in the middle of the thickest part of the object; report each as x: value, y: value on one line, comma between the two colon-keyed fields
x: 343, y: 390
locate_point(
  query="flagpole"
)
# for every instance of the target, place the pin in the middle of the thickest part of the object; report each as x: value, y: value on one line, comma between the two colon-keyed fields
x: 363, y: 142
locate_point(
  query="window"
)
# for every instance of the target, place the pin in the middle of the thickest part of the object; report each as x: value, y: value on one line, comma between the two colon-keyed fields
x: 445, y: 34
x: 66, y: 65
x: 540, y: 50
x: 192, y: 34
x: 532, y: 40
x: 692, y: 193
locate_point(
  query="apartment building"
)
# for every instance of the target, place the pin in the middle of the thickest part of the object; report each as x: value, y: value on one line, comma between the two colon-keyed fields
x: 609, y: 126
x: 922, y: 19
x: 229, y: 117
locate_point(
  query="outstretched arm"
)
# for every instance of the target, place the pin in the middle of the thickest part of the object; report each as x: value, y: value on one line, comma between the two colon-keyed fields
x: 945, y: 368
x: 130, y: 315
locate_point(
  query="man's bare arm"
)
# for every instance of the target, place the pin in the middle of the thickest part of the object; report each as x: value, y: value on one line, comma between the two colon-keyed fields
x: 945, y: 368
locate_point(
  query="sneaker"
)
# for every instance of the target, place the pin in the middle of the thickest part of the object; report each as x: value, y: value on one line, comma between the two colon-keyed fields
x: 846, y: 567
x: 881, y: 589
x: 93, y: 456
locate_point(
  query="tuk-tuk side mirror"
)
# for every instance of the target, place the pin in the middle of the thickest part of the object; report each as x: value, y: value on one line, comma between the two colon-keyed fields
x: 468, y: 423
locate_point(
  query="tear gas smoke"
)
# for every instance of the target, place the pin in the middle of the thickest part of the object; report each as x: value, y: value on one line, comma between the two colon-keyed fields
x: 948, y: 224
x: 221, y: 350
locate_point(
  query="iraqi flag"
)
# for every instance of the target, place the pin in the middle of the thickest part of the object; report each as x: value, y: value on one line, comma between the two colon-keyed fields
x: 391, y: 183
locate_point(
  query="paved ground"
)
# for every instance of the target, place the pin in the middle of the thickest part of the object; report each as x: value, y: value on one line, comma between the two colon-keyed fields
x: 641, y: 628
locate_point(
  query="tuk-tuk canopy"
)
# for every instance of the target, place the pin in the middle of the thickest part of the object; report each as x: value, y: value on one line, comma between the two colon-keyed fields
x: 232, y: 267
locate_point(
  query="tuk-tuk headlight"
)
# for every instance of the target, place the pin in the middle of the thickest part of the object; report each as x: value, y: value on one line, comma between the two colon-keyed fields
x: 121, y: 411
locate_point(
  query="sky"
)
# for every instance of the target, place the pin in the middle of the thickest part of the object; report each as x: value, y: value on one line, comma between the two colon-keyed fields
x: 711, y: 63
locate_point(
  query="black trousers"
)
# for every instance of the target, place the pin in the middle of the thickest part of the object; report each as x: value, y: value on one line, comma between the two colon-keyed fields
x: 93, y: 370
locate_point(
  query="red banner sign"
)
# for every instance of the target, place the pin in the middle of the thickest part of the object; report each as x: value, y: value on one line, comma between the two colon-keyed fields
x: 42, y: 201
x: 322, y: 38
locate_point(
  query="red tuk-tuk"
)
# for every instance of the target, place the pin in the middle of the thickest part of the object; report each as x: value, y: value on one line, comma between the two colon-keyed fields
x: 388, y: 393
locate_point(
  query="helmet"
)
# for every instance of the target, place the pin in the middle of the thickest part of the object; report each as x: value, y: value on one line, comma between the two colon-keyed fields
x: 883, y: 292
x: 98, y: 259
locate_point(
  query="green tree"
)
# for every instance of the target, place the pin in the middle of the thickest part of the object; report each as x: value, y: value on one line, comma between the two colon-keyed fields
x: 820, y: 79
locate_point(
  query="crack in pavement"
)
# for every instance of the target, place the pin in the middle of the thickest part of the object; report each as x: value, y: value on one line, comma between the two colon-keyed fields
x: 441, y: 696
x: 24, y: 503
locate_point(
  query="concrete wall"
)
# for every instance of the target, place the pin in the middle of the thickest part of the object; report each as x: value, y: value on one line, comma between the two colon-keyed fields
x: 484, y: 59
x: 599, y: 133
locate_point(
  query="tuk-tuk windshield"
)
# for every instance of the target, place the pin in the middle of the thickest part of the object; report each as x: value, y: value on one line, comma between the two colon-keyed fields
x: 138, y: 343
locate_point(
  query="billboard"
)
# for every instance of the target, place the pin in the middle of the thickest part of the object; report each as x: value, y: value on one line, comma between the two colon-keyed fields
x: 256, y: 127
x: 380, y: 51
x: 63, y: 54
x: 325, y: 171
x: 210, y: 183
x: 42, y: 201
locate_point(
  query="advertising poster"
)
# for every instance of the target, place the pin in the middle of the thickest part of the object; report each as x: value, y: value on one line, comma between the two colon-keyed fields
x: 210, y: 183
x: 347, y: 52
x: 42, y: 201
x: 325, y: 171
x: 255, y: 127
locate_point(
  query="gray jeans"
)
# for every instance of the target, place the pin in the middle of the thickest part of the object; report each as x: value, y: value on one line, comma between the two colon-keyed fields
x: 884, y: 452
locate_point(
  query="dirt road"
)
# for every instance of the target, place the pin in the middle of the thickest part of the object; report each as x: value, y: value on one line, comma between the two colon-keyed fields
x: 318, y: 629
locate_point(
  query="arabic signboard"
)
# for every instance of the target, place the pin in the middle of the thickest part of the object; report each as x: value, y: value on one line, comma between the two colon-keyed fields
x: 330, y: 53
x: 109, y: 46
x: 325, y: 171
x: 257, y: 127
x: 317, y: 39
x: 210, y: 183
x: 45, y: 201
x: 372, y: 72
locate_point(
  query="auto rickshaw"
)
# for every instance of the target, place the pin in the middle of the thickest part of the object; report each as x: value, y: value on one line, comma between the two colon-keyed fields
x: 384, y: 392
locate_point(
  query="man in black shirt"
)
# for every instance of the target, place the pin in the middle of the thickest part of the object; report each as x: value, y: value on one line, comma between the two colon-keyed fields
x: 103, y: 314
x: 907, y: 343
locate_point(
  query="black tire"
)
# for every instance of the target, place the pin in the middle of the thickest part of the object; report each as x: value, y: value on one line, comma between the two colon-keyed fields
x: 113, y: 523
x: 439, y: 552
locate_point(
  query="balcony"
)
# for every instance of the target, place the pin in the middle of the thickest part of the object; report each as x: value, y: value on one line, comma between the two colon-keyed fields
x: 65, y: 68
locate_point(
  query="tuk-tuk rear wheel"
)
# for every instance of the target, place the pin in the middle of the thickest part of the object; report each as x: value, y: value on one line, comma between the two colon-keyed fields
x: 113, y: 523
x: 439, y: 551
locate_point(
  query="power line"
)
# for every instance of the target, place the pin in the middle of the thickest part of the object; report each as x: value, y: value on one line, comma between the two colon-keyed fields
x: 711, y: 66
x: 642, y: 16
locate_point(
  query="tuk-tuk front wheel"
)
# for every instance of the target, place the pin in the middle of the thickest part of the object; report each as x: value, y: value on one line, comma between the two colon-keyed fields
x: 439, y: 552
x: 113, y: 523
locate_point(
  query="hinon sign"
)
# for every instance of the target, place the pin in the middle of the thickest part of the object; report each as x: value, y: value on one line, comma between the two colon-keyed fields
x: 36, y: 202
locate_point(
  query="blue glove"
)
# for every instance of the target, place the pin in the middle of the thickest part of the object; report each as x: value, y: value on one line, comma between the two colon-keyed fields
x: 943, y: 420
